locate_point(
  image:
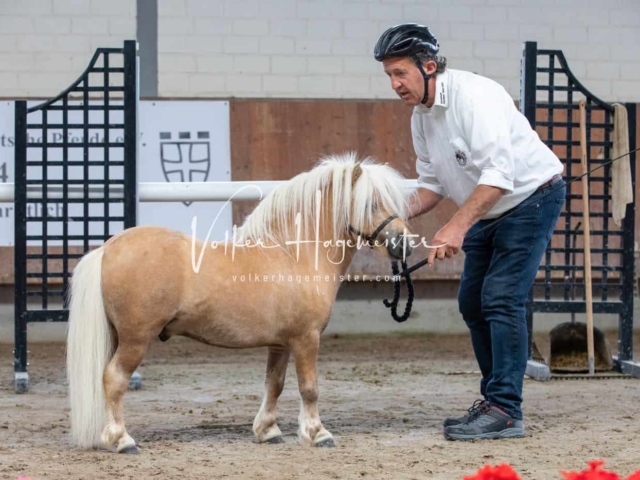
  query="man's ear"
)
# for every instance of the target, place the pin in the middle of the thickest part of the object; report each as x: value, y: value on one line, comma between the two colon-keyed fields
x: 430, y: 67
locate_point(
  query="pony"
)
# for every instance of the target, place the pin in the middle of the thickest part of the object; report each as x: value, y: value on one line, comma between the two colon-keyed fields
x: 150, y: 282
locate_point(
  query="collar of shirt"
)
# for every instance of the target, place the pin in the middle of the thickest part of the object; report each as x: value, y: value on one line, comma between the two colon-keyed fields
x: 441, y: 99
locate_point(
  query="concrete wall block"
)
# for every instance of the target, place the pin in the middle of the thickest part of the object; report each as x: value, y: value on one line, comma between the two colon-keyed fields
x: 210, y: 8
x: 30, y: 8
x: 175, y: 26
x: 123, y: 26
x: 603, y: 70
x: 214, y: 63
x: 70, y: 7
x: 630, y: 71
x: 484, y: 14
x: 233, y: 44
x: 241, y: 8
x: 277, y: 45
x: 172, y: 8
x: 244, y: 84
x: 251, y: 64
x: 391, y: 14
x: 17, y: 62
x: 324, y: 65
x: 212, y: 26
x: 625, y: 90
x: 204, y: 83
x: 467, y: 31
x: 353, y: 84
x: 313, y: 47
x: 626, y: 18
x: 280, y: 83
x: 281, y: 9
x: 453, y: 14
x: 316, y: 84
x: 351, y: 47
x: 90, y: 25
x: 288, y: 28
x: 570, y: 34
x: 54, y: 62
x: 250, y: 27
x: 312, y: 10
x: 53, y: 25
x: 176, y: 63
x: 293, y: 65
x: 366, y: 29
x: 496, y: 32
x: 200, y: 44
x: 172, y: 82
x: 491, y: 49
x: 324, y: 29
x: 113, y: 8
x: 17, y: 25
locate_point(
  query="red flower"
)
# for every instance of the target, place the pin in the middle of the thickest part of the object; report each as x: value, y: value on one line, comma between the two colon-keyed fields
x: 593, y: 473
x: 501, y: 472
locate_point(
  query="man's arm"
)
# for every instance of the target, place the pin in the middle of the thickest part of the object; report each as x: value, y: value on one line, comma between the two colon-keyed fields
x: 483, y: 198
x: 423, y: 202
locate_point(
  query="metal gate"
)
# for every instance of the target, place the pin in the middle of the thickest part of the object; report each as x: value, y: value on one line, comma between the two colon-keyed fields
x: 549, y: 93
x: 75, y: 185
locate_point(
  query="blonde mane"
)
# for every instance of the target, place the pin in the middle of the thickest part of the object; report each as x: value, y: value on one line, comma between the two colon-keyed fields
x: 377, y: 187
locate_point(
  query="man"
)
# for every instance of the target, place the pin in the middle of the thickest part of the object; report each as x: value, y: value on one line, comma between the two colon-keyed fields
x: 475, y: 147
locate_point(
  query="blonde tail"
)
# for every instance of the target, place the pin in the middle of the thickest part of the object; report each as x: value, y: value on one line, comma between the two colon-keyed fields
x: 89, y: 349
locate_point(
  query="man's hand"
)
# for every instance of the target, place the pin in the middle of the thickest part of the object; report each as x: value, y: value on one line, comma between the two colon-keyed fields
x: 452, y: 234
x: 480, y: 202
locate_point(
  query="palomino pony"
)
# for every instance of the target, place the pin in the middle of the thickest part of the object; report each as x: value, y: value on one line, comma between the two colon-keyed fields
x: 151, y: 282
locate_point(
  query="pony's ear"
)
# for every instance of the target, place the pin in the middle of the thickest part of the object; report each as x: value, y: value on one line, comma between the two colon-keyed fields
x: 355, y: 175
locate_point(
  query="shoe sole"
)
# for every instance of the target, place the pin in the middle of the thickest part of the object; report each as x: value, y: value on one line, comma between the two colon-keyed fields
x: 508, y: 433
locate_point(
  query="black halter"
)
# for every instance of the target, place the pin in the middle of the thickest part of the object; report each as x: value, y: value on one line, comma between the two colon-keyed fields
x: 373, y: 237
x: 393, y: 305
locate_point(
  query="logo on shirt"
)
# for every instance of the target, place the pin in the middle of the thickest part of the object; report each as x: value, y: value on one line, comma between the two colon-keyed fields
x: 461, y: 158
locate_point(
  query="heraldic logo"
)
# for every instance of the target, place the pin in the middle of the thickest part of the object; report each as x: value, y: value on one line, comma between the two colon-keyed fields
x: 185, y: 159
x: 461, y: 158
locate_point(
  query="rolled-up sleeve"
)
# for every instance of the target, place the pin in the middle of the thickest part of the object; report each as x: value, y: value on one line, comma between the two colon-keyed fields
x: 485, y: 124
x: 426, y: 174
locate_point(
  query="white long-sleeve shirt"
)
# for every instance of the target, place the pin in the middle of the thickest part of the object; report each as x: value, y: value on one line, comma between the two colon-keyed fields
x: 474, y: 135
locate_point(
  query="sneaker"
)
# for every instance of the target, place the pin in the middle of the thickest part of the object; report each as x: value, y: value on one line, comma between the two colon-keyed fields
x: 477, y: 405
x: 488, y: 422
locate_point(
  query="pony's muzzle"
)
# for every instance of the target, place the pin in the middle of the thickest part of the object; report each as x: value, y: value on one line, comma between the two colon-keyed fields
x: 399, y: 247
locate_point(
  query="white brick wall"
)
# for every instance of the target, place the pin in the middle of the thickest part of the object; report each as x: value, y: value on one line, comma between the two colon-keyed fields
x: 46, y: 44
x: 315, y: 48
x: 323, y: 48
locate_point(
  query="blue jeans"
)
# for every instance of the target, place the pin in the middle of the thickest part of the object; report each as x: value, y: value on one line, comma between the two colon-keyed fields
x: 499, y: 269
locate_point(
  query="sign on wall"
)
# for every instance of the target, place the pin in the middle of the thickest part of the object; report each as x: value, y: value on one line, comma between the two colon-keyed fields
x: 179, y: 141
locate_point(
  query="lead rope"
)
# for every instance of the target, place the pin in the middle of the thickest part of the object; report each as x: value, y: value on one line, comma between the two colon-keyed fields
x: 393, y: 305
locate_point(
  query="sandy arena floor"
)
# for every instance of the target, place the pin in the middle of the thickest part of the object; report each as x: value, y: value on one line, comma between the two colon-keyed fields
x: 383, y: 398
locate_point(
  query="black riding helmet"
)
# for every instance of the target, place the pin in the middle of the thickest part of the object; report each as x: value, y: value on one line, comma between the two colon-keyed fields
x: 407, y: 40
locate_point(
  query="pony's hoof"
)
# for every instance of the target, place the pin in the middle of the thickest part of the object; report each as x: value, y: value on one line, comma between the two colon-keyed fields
x: 275, y: 440
x: 132, y: 450
x: 327, y: 443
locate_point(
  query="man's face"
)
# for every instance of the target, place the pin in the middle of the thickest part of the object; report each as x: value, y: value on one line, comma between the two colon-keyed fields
x: 406, y: 79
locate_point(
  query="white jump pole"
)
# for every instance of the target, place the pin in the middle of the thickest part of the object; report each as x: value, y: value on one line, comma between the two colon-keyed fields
x: 165, y: 191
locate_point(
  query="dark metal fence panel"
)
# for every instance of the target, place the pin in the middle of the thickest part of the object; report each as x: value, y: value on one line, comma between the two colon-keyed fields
x: 549, y: 99
x: 75, y: 184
